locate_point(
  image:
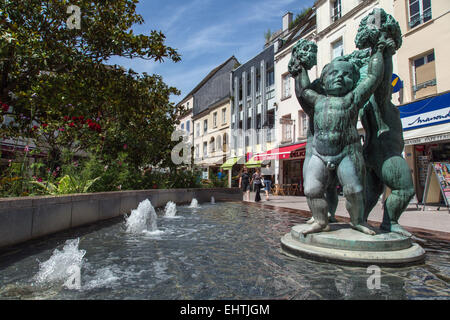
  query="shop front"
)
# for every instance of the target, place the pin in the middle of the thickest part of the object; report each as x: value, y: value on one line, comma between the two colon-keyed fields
x: 290, y: 165
x: 426, y: 132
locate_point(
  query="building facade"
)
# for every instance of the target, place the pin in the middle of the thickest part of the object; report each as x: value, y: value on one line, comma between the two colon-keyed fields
x: 211, y: 118
x: 185, y: 119
x: 423, y: 67
x: 253, y: 109
x: 291, y: 121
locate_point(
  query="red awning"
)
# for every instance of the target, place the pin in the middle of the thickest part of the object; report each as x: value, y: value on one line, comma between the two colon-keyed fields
x: 279, y: 153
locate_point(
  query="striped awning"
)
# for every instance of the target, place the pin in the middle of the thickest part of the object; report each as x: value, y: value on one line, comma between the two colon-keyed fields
x: 279, y: 153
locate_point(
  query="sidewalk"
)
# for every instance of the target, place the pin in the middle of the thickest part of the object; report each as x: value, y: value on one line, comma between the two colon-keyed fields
x: 430, y: 219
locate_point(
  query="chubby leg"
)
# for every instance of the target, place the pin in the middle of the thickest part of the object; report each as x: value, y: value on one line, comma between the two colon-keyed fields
x: 332, y: 200
x: 315, y: 184
x: 351, y: 175
x: 397, y: 176
x: 374, y: 188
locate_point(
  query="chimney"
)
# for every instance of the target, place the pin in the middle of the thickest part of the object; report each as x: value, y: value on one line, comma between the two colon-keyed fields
x: 287, y: 19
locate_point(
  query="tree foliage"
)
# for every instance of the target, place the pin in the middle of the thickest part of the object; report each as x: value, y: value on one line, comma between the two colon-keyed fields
x: 59, y: 92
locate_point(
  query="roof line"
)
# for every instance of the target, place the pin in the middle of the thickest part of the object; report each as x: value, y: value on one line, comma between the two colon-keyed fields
x: 208, y: 76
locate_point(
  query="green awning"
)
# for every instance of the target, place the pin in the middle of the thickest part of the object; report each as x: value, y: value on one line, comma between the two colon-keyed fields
x: 229, y: 163
x: 252, y: 163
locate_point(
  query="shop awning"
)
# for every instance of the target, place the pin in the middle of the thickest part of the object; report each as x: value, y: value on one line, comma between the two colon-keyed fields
x: 279, y: 153
x: 425, y: 135
x: 427, y: 112
x: 210, y: 161
x: 252, y: 163
x: 230, y: 163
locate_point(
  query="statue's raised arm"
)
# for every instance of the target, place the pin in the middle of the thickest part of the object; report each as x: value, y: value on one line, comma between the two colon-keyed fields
x: 304, y: 57
x: 375, y: 71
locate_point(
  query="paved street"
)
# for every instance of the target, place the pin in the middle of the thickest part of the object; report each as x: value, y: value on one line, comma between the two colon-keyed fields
x: 430, y: 219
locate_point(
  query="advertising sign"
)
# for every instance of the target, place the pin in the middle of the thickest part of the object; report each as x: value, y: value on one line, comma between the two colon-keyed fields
x: 438, y: 183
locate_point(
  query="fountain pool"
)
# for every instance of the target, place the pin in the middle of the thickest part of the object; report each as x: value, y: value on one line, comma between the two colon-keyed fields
x: 221, y: 251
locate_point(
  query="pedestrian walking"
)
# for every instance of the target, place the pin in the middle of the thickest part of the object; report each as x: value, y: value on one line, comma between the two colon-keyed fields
x: 257, y: 180
x: 244, y: 183
x: 267, y: 178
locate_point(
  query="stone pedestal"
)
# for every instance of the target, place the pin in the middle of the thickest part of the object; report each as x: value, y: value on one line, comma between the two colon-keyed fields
x: 344, y: 245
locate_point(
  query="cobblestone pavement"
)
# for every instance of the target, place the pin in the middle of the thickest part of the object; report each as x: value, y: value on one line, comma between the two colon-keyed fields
x: 430, y: 219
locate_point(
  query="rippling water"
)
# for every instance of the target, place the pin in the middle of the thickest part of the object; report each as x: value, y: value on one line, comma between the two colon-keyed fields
x: 222, y: 251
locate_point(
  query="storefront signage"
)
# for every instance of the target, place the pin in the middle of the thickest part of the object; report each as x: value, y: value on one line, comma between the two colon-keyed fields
x: 438, y: 182
x: 426, y: 112
x: 426, y: 119
x: 298, y: 153
x: 423, y: 140
x: 397, y: 84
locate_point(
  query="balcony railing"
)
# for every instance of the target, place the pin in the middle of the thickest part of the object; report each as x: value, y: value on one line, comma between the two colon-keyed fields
x: 425, y: 84
x: 336, y: 17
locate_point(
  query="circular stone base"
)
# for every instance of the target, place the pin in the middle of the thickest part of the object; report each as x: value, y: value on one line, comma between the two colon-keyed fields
x: 344, y: 245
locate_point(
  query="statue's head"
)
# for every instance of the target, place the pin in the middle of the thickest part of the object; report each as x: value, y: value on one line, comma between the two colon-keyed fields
x: 339, y: 77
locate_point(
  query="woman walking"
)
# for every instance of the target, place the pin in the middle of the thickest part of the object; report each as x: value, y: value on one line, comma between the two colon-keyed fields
x: 267, y: 178
x: 257, y: 179
x: 244, y: 183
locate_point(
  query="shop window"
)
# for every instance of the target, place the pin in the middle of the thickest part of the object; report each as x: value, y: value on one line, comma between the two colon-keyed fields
x: 419, y: 12
x: 424, y: 76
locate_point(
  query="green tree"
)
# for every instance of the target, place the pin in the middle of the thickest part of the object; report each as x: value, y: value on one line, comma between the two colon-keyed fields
x: 57, y: 89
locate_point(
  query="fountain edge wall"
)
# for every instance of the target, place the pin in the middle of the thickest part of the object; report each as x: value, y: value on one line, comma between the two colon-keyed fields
x: 27, y: 218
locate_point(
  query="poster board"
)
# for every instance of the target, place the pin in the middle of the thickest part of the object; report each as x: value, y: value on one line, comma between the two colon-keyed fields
x: 437, y: 184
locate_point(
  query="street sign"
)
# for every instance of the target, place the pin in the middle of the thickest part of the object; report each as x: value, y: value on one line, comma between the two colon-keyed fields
x: 397, y: 84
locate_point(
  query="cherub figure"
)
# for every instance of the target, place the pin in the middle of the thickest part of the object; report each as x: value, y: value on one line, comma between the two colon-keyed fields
x: 336, y: 149
x: 383, y: 153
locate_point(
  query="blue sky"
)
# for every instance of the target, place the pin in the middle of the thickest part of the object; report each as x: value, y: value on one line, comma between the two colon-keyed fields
x: 206, y: 33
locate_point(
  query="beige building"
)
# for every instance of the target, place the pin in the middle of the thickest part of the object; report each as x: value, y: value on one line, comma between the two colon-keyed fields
x: 211, y: 136
x: 423, y: 61
x: 185, y: 118
x: 211, y: 118
x: 291, y: 120
x: 423, y: 66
